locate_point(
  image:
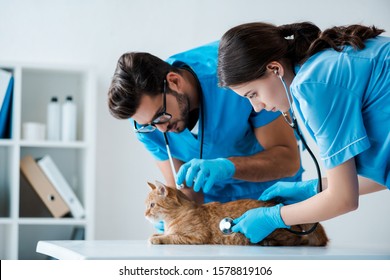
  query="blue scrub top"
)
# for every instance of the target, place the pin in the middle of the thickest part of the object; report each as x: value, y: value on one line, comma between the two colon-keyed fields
x: 228, y: 127
x: 344, y: 100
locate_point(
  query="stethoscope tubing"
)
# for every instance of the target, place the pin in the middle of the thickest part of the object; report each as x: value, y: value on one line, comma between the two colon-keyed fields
x: 293, y: 123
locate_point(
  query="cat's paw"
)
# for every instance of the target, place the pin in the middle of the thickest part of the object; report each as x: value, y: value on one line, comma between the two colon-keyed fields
x: 155, y: 239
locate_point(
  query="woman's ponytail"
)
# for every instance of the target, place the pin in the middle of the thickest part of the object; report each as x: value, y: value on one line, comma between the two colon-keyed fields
x: 299, y: 37
x: 246, y: 50
x: 339, y: 36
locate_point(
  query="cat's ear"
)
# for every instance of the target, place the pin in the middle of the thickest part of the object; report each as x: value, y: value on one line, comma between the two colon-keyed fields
x: 161, y: 189
x: 151, y: 186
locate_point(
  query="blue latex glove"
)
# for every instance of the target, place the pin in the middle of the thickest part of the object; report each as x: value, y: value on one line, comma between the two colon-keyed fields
x: 256, y: 224
x: 159, y: 226
x: 205, y: 172
x: 291, y: 192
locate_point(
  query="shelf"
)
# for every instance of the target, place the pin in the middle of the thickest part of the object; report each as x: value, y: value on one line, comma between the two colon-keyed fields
x: 6, y: 142
x: 34, y: 85
x: 5, y: 221
x: 51, y: 221
x: 44, y: 144
x: 54, y: 144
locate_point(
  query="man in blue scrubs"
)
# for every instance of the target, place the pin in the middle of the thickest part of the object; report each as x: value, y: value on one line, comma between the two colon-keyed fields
x: 223, y: 150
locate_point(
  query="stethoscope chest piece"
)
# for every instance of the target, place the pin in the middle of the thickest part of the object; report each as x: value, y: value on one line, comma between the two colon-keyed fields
x: 225, y: 225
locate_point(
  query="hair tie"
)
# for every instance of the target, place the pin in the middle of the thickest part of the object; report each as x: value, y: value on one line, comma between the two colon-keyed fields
x: 290, y: 37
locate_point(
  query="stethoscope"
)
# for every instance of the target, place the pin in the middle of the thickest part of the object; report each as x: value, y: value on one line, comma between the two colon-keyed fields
x: 226, y: 224
x: 200, y: 134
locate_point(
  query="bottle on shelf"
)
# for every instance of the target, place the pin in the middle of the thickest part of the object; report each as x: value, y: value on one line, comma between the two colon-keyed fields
x: 53, y: 121
x: 69, y: 121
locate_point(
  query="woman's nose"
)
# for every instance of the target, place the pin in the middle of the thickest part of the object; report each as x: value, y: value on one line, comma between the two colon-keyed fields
x: 257, y: 105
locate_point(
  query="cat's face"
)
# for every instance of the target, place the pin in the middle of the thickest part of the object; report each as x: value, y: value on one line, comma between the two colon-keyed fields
x: 156, y: 203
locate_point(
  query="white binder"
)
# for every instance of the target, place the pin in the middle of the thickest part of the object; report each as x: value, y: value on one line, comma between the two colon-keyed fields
x: 64, y: 189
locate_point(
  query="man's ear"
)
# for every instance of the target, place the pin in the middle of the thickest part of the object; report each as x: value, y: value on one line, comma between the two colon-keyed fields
x: 175, y: 81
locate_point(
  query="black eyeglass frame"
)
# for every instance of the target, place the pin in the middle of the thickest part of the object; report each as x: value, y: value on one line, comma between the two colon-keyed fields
x: 150, y: 127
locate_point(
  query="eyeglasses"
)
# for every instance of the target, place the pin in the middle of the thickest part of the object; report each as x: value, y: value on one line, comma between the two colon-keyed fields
x: 161, y: 118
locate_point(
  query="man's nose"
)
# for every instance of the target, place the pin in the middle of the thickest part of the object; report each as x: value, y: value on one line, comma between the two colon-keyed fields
x: 162, y: 126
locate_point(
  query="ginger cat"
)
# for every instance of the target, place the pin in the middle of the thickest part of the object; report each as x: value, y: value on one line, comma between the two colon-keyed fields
x: 189, y: 223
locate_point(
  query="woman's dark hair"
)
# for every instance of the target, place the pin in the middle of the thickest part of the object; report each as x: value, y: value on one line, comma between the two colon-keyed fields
x: 246, y: 50
x: 136, y: 74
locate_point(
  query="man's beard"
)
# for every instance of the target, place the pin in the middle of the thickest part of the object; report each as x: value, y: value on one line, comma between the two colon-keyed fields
x: 181, y: 123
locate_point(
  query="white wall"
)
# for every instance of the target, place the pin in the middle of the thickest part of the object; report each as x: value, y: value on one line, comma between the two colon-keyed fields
x: 97, y: 32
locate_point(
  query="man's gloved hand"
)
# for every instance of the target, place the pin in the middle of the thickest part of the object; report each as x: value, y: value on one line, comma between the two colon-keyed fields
x: 291, y: 192
x: 205, y: 172
x: 256, y: 224
x: 159, y: 226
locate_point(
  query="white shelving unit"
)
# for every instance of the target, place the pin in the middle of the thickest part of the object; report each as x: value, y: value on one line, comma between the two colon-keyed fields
x: 34, y: 85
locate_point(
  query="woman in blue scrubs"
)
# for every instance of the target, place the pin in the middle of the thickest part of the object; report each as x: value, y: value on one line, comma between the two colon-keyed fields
x: 338, y: 81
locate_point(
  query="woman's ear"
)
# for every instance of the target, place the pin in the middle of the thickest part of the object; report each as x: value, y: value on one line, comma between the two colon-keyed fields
x: 276, y: 68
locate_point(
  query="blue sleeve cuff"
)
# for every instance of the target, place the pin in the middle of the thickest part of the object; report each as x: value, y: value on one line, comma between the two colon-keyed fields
x: 355, y: 148
x: 263, y: 118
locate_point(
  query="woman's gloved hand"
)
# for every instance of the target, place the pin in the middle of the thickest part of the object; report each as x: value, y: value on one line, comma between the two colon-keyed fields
x: 256, y: 224
x: 205, y: 173
x: 159, y: 226
x: 290, y: 192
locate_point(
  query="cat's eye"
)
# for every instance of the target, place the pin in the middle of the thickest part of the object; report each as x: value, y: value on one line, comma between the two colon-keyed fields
x: 152, y: 205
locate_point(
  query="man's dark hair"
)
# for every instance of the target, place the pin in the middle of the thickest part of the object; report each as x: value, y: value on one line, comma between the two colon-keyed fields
x: 136, y: 74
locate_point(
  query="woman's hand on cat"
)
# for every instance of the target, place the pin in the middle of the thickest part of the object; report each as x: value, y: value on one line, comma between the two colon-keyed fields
x: 256, y: 224
x: 205, y: 173
x: 290, y: 192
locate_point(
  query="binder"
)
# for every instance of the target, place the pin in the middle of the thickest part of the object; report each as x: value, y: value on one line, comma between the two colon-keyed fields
x: 31, y: 204
x: 64, y: 189
x: 45, y: 190
x: 6, y: 89
x: 5, y: 78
